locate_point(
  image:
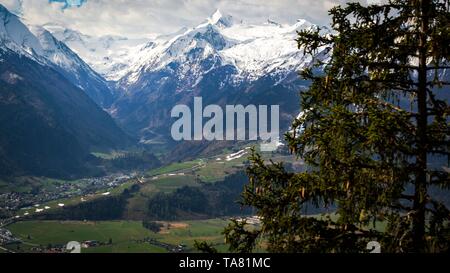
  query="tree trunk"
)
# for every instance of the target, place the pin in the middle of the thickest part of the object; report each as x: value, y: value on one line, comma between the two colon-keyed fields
x: 422, y: 120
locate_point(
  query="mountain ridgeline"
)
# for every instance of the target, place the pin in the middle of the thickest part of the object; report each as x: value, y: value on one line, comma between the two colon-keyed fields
x: 56, y: 109
x: 54, y: 105
x: 223, y: 61
x: 48, y: 125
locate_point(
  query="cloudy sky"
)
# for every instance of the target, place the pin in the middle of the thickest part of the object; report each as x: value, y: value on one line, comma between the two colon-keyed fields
x: 142, y: 18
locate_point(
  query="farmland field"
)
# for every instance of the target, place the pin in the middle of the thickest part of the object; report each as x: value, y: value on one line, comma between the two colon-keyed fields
x: 126, y: 236
x: 176, y: 167
x: 127, y: 233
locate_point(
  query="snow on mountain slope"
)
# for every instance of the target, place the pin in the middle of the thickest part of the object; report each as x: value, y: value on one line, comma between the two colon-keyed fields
x: 187, y: 50
x: 55, y: 51
x: 64, y: 60
x: 265, y: 48
x: 40, y: 45
x: 108, y: 55
x: 254, y: 50
x: 223, y: 60
x: 15, y: 36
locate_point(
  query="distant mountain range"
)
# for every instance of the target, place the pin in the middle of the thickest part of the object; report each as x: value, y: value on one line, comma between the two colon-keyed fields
x: 137, y: 81
x: 62, y: 91
x: 41, y: 46
x: 108, y: 55
x: 49, y: 122
x: 223, y: 60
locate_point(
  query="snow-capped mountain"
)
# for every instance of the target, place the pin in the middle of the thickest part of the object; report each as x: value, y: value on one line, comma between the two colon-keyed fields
x: 253, y: 50
x: 49, y: 126
x: 73, y: 67
x: 110, y: 56
x: 15, y: 36
x: 40, y: 45
x: 224, y: 60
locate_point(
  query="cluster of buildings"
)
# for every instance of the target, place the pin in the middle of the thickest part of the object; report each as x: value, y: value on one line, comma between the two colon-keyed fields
x: 252, y: 220
x: 14, y: 201
x: 6, y: 237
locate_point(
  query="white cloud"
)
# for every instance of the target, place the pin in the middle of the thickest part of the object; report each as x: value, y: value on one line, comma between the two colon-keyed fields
x: 141, y: 18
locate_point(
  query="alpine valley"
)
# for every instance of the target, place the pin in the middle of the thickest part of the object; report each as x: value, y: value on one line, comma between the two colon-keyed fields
x: 110, y: 93
x: 86, y: 152
x: 51, y: 115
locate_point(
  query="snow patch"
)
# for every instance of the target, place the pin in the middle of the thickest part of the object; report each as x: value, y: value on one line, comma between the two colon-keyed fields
x: 237, y: 155
x: 254, y: 50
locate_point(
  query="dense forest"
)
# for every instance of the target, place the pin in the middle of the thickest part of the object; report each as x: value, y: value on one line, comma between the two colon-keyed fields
x: 208, y: 200
x: 374, y: 133
x: 142, y: 160
x: 107, y: 208
x: 204, y: 201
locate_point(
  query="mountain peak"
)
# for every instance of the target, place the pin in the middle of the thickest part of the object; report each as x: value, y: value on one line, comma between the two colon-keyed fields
x: 216, y: 16
x: 16, y: 36
x: 220, y: 20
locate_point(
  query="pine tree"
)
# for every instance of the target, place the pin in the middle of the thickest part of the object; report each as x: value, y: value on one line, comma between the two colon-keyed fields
x: 373, y: 132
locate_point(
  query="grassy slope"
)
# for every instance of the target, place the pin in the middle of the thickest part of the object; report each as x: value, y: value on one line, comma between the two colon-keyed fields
x: 165, y: 179
x: 159, y: 180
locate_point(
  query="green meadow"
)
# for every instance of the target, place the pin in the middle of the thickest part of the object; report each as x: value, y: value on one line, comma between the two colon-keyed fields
x: 126, y: 236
